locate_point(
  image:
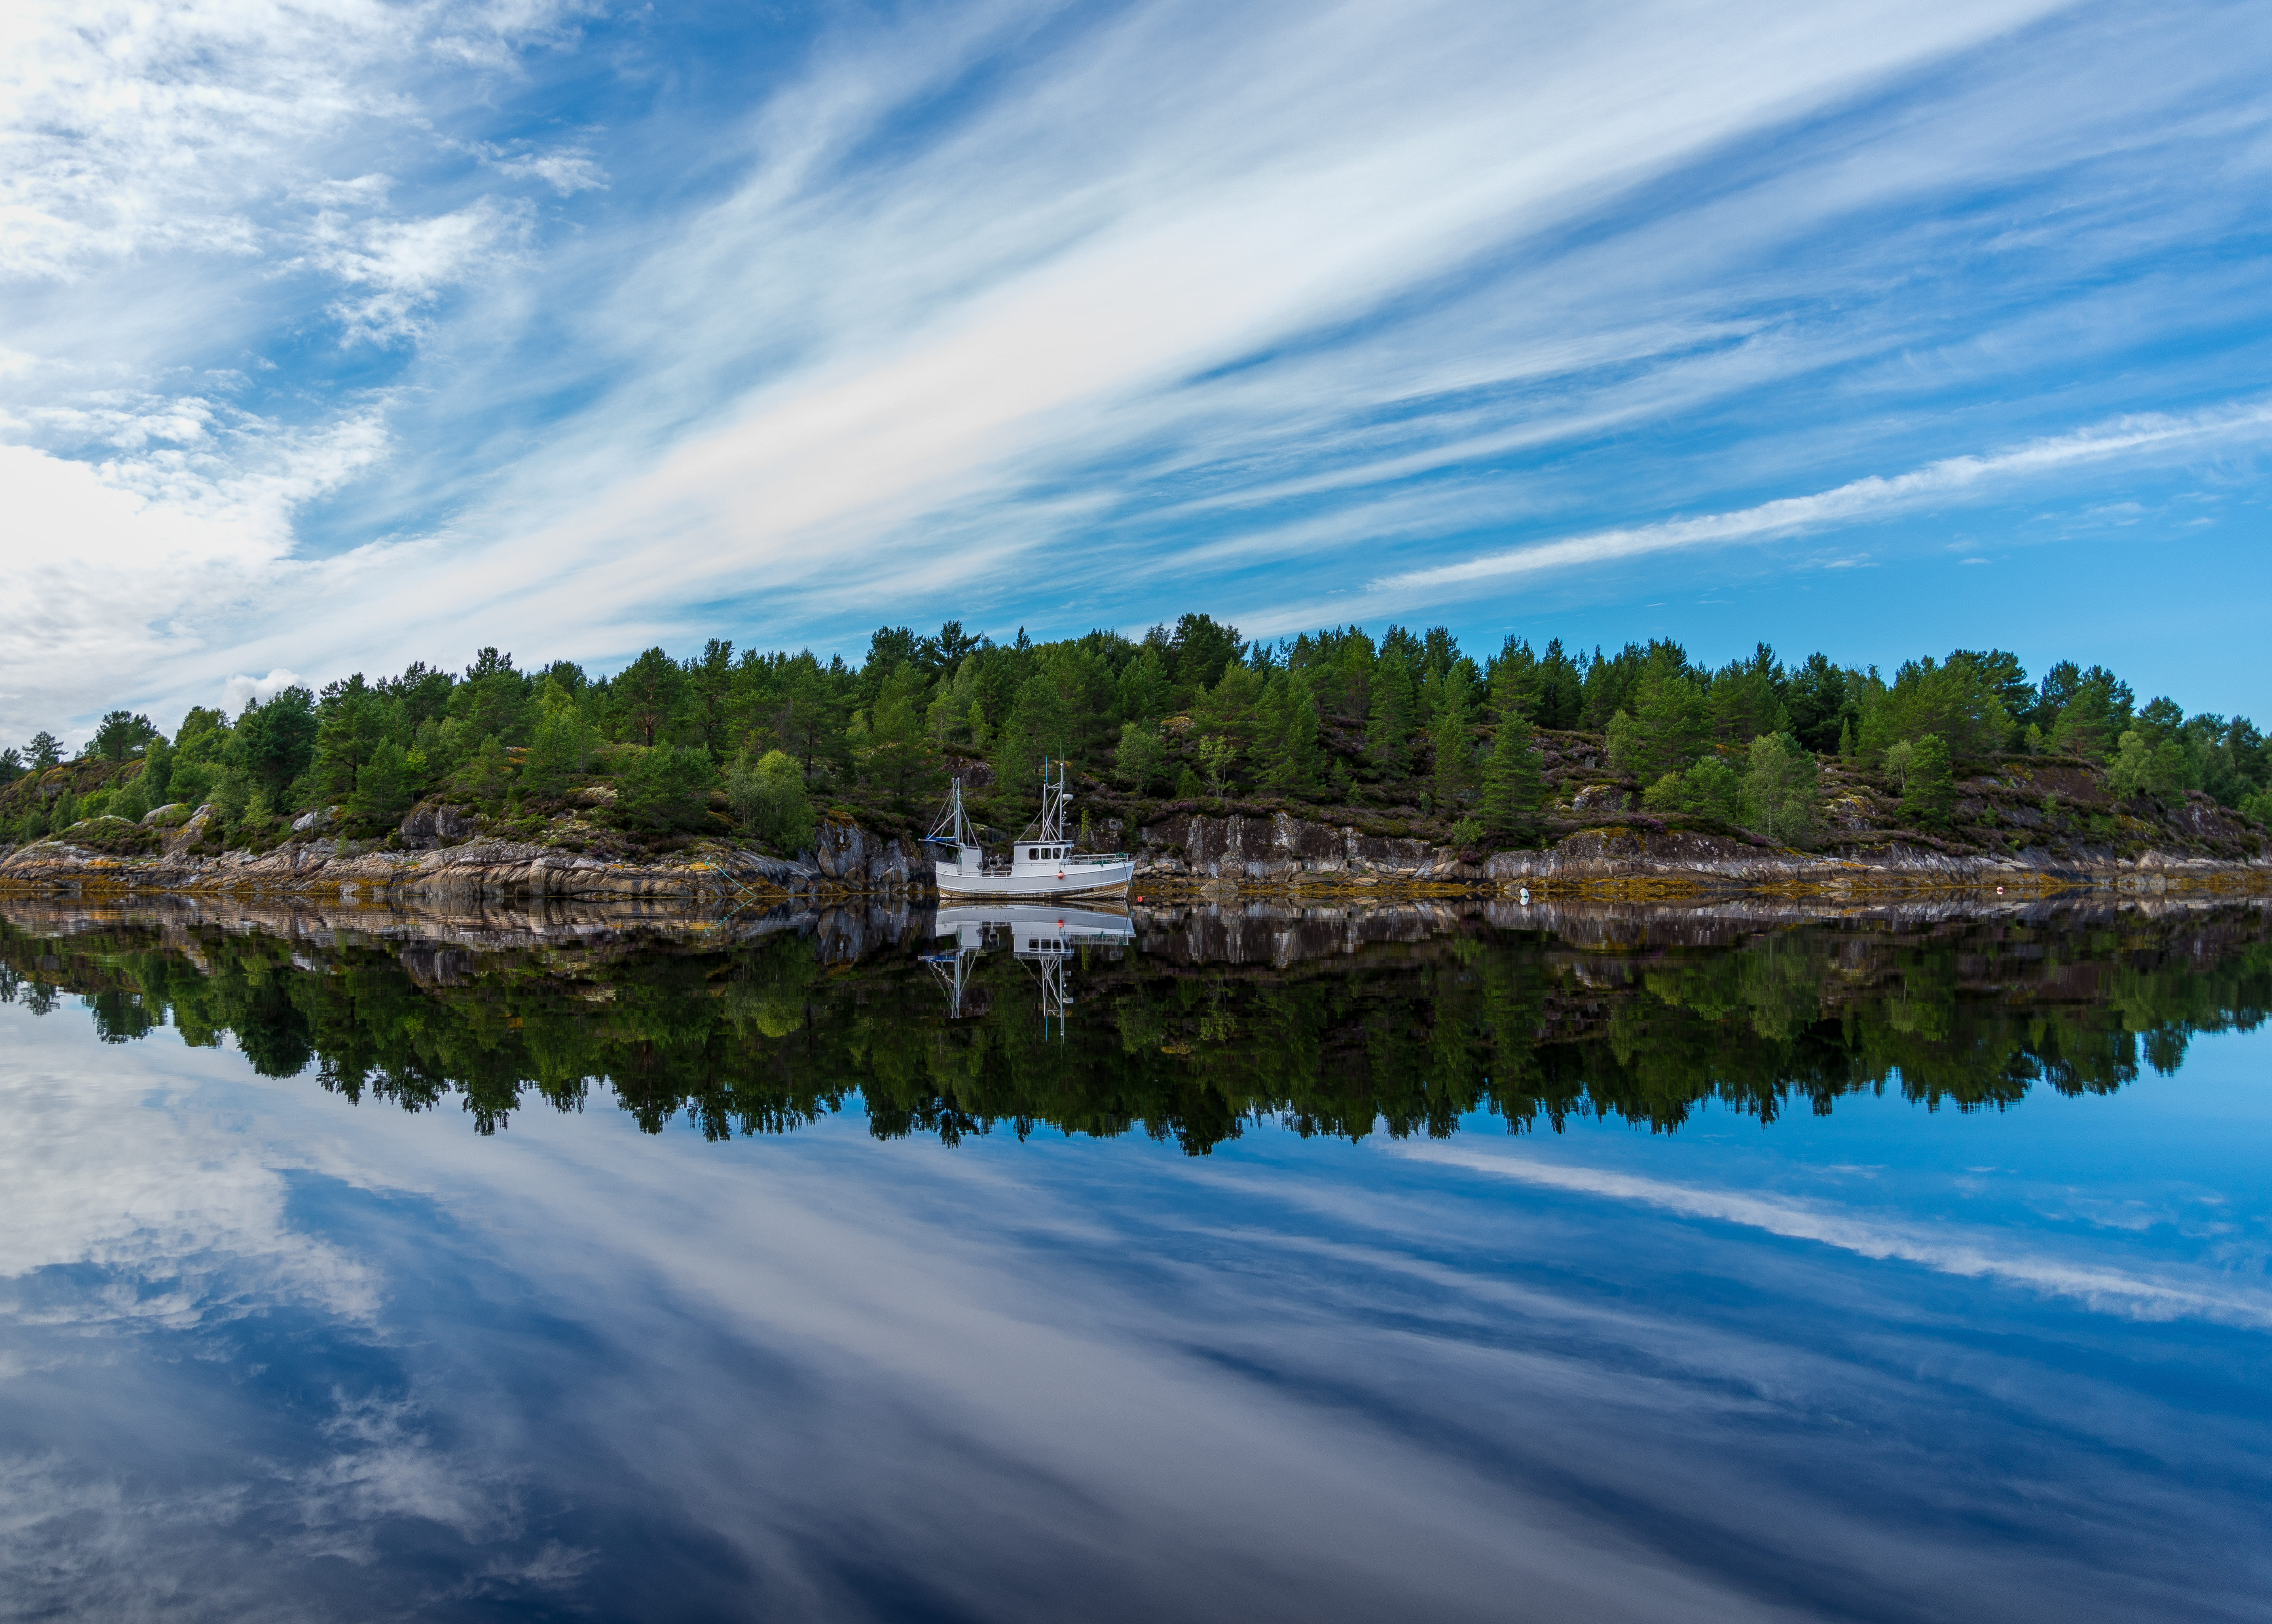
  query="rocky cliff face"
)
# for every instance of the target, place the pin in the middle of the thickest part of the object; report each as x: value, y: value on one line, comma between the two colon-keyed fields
x: 439, y: 857
x: 439, y: 854
x: 1282, y: 851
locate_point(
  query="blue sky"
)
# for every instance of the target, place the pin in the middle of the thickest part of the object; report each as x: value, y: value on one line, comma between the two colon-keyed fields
x: 345, y: 334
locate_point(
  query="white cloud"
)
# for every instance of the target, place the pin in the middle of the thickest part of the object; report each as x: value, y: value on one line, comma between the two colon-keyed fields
x: 404, y: 265
x: 239, y: 690
x: 1294, y: 279
x: 1862, y: 500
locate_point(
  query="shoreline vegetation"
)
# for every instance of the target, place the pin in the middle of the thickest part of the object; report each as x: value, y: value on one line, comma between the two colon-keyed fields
x: 1329, y: 762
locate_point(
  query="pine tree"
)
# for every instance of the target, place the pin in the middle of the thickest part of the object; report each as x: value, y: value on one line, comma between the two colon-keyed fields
x: 1929, y: 789
x: 1454, y: 749
x: 1388, y: 729
x: 1288, y: 750
x: 1514, y: 782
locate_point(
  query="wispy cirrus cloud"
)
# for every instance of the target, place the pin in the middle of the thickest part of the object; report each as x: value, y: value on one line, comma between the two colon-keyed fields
x: 1028, y: 316
x: 1872, y: 497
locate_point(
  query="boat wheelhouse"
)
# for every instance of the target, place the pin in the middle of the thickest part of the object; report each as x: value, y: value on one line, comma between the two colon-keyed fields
x: 1042, y: 862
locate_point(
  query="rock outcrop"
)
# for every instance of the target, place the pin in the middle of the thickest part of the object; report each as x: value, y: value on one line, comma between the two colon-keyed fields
x: 1641, y: 858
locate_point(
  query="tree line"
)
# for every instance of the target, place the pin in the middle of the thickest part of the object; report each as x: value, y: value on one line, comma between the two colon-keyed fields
x: 765, y: 742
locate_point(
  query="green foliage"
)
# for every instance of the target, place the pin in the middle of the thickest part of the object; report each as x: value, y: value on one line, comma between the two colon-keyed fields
x: 1779, y: 789
x: 1956, y: 699
x: 121, y: 734
x: 1141, y: 763
x: 2141, y: 765
x: 1815, y: 698
x: 11, y: 766
x: 770, y: 801
x: 496, y: 700
x: 158, y: 771
x: 62, y: 812
x: 383, y: 791
x: 273, y: 744
x: 2091, y: 709
x: 1668, y: 726
x: 232, y: 797
x: 45, y: 751
x: 894, y: 754
x: 1514, y: 782
x: 485, y: 775
x: 1215, y: 755
x: 1388, y: 729
x: 665, y: 787
x: 351, y: 720
x: 1744, y: 699
x: 1287, y: 751
x: 133, y: 801
x: 1929, y: 789
x: 563, y: 744
x: 1284, y: 719
x: 1452, y: 734
x: 1709, y: 788
x: 1200, y: 650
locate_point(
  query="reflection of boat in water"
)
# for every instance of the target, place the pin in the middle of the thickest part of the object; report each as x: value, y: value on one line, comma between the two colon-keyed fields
x: 1042, y: 937
x: 1042, y: 862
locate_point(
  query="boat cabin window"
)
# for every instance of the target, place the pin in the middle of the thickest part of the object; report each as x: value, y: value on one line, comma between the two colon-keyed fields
x: 1034, y: 852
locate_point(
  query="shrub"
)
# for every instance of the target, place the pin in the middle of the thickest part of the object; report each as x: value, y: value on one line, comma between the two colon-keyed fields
x: 772, y: 801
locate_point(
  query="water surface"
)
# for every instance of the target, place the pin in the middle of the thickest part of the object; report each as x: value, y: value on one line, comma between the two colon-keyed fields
x: 1503, y: 1263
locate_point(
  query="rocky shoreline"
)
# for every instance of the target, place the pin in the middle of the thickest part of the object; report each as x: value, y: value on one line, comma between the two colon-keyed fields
x: 1185, y: 853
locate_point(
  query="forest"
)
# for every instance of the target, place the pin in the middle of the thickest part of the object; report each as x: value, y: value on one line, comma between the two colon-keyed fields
x: 760, y: 745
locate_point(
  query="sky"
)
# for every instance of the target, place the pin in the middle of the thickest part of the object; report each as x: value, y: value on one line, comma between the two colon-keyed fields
x: 340, y: 334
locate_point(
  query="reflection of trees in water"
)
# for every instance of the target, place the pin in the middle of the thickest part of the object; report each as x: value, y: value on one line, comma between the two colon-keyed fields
x: 762, y: 1036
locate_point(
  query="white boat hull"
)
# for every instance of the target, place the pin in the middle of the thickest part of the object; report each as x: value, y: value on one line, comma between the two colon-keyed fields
x: 1075, y: 880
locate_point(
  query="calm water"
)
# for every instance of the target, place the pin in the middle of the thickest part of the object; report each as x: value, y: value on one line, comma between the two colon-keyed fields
x: 1525, y: 1264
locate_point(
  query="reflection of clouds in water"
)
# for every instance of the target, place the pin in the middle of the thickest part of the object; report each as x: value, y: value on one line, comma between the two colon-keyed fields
x: 112, y: 1167
x: 824, y: 1377
x: 1941, y: 1248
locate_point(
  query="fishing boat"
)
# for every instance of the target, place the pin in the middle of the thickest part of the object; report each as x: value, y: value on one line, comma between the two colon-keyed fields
x: 1041, y: 862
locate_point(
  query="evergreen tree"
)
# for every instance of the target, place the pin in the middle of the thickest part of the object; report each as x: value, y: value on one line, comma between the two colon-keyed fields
x: 1929, y: 788
x: 382, y: 789
x: 665, y: 787
x: 1514, y: 782
x: 1141, y: 761
x: 351, y: 720
x: 1290, y: 755
x: 1144, y: 687
x: 1453, y: 747
x: 1388, y: 729
x: 273, y: 744
x: 120, y: 735
x: 45, y: 751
